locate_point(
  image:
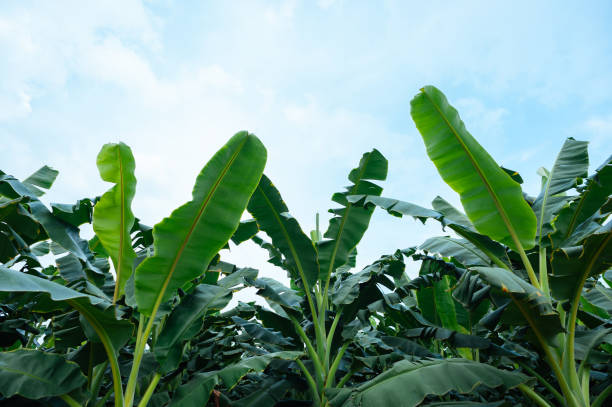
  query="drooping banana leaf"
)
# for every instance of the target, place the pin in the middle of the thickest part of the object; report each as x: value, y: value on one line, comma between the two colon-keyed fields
x: 493, y: 202
x: 196, y: 392
x: 14, y: 281
x: 462, y: 250
x: 187, y: 240
x: 529, y: 305
x: 35, y: 374
x: 272, y: 392
x: 454, y: 338
x: 281, y: 299
x: 272, y: 215
x: 350, y: 222
x: 572, y: 266
x: 62, y: 233
x: 451, y: 213
x: 113, y: 217
x: 408, y: 383
x: 571, y: 164
x: 451, y: 218
x: 75, y: 214
x: 185, y: 321
x: 42, y: 179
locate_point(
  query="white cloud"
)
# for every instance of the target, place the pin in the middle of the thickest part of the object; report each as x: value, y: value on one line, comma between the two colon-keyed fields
x: 480, y: 120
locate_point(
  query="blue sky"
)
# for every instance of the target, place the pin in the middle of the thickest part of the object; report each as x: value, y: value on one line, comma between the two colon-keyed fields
x: 319, y: 82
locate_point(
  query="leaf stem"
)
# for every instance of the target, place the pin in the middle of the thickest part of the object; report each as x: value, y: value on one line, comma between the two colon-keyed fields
x: 150, y: 390
x: 311, y: 351
x: 141, y: 341
x: 330, y: 336
x: 533, y: 395
x: 543, y: 382
x: 544, y: 271
x: 331, y: 375
x: 97, y: 381
x: 602, y: 397
x: 532, y: 276
x: 70, y: 401
x: 310, y: 380
x: 552, y: 361
x: 345, y: 378
x: 108, y: 347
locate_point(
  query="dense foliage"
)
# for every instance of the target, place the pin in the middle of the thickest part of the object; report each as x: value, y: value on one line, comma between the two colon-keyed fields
x: 513, y: 307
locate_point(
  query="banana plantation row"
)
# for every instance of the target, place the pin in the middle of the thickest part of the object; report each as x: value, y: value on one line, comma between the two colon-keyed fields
x: 511, y: 305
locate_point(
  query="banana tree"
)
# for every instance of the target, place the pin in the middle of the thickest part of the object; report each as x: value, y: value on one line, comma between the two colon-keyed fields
x: 311, y: 306
x: 162, y: 287
x: 538, y: 260
x: 333, y: 311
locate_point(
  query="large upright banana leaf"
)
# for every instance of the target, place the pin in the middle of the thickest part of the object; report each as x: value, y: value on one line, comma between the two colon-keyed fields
x: 186, y: 241
x: 350, y: 222
x: 272, y: 215
x: 571, y: 164
x: 113, y: 217
x: 593, y: 196
x: 493, y: 202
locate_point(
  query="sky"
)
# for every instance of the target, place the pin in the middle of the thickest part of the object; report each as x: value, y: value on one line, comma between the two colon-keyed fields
x: 319, y: 82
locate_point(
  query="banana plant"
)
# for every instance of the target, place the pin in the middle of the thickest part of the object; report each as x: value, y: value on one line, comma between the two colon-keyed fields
x: 505, y: 236
x: 334, y: 311
x: 162, y: 291
x: 314, y: 265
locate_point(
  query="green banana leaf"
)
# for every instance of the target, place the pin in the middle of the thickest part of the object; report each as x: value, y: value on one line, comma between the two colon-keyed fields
x: 592, y: 198
x: 93, y: 309
x: 266, y: 396
x: 196, y: 392
x: 451, y: 213
x: 74, y: 214
x: 462, y: 250
x: 407, y: 383
x: 436, y: 301
x: 42, y: 179
x: 113, y: 218
x: 61, y: 233
x: 447, y: 216
x: 529, y: 305
x: 185, y: 321
x: 493, y: 202
x: 350, y: 222
x: 246, y: 230
x: 186, y: 241
x: 571, y: 165
x: 35, y: 374
x: 572, y: 266
x: 272, y: 215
